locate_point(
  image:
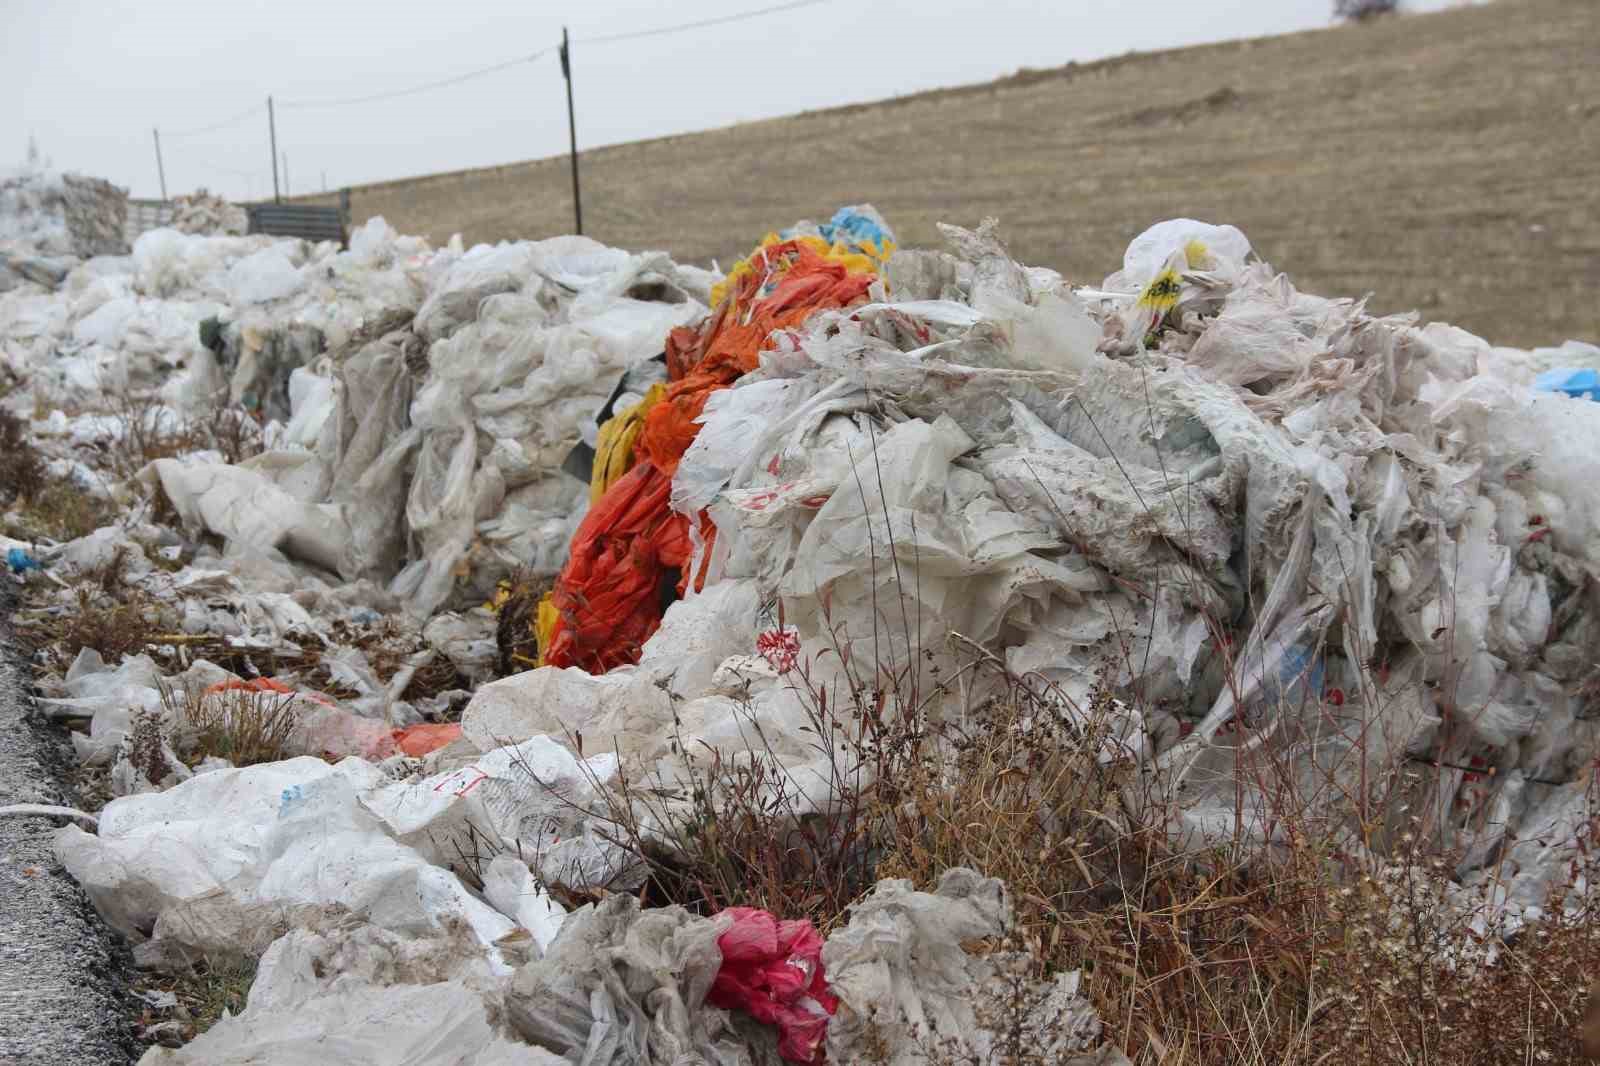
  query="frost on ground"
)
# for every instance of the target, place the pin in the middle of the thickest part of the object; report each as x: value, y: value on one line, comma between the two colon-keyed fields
x: 1180, y: 662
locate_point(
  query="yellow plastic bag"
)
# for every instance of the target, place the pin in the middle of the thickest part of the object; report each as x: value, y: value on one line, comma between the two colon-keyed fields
x: 544, y: 623
x: 613, y: 453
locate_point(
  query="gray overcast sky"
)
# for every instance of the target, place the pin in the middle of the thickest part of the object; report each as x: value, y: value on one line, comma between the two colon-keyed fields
x: 89, y: 80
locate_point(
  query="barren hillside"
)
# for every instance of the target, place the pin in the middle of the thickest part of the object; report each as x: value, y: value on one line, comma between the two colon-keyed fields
x: 1445, y: 162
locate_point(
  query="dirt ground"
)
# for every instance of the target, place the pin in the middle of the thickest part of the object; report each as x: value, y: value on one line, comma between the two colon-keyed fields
x: 1446, y: 163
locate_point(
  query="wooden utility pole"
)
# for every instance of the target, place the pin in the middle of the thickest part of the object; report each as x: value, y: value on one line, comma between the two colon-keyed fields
x: 161, y: 167
x: 272, y: 127
x: 572, y: 129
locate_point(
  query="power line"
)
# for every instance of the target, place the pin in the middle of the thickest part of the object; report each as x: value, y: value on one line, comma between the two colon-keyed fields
x: 718, y: 21
x: 240, y: 117
x: 612, y: 38
x: 440, y: 84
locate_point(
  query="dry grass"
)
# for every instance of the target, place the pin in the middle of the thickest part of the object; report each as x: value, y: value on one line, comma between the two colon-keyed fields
x: 114, y: 623
x: 22, y: 474
x: 1443, y: 161
x: 203, y: 994
x: 43, y: 508
x: 514, y: 634
x: 147, y: 432
x: 105, y: 613
x: 63, y: 511
x: 388, y: 643
x: 1313, y: 951
x: 244, y: 727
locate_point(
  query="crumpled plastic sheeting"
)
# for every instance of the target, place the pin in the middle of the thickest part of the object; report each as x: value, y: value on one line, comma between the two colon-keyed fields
x: 424, y: 456
x: 1140, y: 509
x: 1386, y: 525
x: 248, y: 508
x: 621, y: 986
x: 362, y: 996
x: 905, y: 981
x: 228, y: 847
x: 680, y: 701
x: 458, y: 473
x: 531, y: 799
x: 337, y: 507
x: 908, y: 509
x: 507, y: 392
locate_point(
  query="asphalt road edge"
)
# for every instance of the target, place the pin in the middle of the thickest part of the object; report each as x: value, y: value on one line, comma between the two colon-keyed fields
x: 64, y: 991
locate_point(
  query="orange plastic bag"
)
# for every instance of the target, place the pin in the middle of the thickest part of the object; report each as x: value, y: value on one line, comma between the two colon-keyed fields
x: 608, y: 596
x: 729, y: 345
x: 418, y: 740
x: 260, y: 684
x: 617, y: 582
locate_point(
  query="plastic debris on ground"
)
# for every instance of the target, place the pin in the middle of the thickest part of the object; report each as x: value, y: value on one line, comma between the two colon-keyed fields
x: 1280, y: 520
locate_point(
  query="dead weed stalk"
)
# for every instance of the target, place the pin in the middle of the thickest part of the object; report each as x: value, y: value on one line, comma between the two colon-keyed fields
x: 244, y: 727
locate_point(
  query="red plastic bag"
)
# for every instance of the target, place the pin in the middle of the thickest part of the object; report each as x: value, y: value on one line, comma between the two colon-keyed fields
x: 772, y: 970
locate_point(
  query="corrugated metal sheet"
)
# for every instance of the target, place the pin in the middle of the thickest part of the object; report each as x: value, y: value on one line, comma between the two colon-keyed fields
x: 299, y: 220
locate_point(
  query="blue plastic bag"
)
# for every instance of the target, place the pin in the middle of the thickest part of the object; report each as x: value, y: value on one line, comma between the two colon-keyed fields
x: 1582, y: 382
x: 20, y: 562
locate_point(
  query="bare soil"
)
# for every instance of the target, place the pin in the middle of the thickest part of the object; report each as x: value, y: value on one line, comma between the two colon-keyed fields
x: 1445, y: 162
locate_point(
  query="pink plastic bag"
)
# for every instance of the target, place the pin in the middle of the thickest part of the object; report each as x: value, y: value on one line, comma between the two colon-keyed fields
x: 772, y: 970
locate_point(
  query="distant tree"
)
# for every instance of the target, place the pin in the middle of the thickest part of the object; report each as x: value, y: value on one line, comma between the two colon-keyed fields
x: 1360, y: 10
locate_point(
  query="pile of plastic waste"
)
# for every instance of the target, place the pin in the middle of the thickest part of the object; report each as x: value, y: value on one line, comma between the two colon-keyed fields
x: 204, y: 213
x: 1265, y: 509
x: 1260, y: 517
x: 51, y: 221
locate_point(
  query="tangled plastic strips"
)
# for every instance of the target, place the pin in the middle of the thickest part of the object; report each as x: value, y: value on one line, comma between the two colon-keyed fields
x: 780, y: 647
